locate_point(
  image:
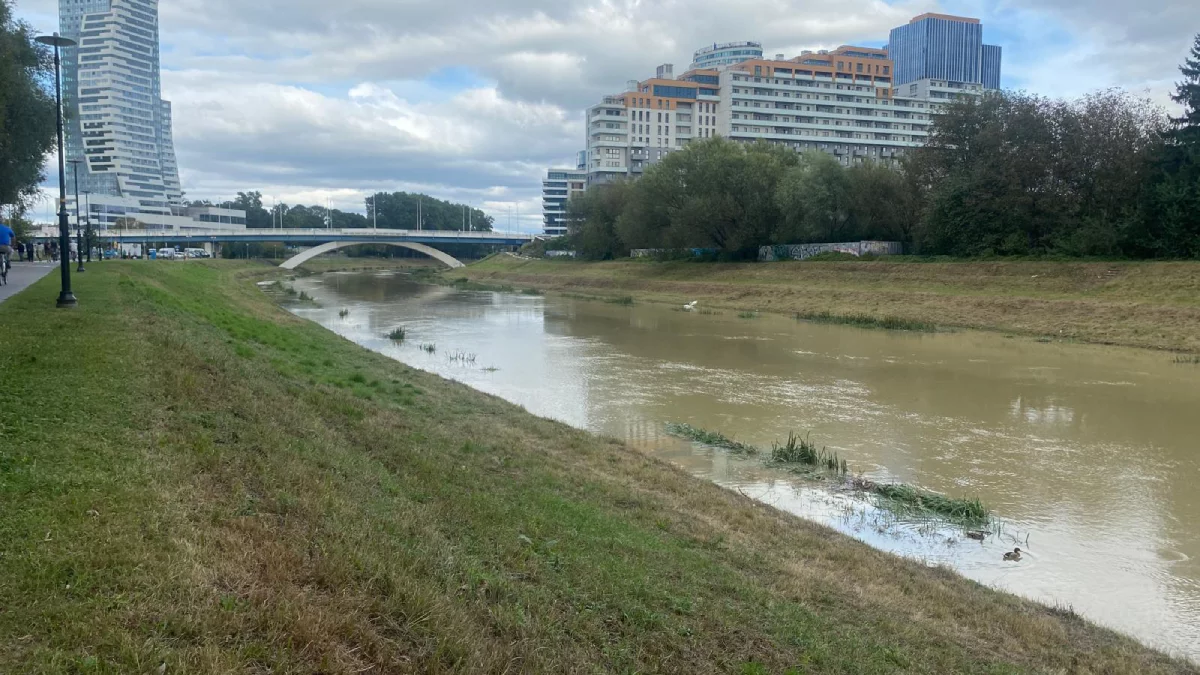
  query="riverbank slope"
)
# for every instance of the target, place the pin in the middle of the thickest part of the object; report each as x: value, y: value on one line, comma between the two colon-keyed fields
x: 1138, y: 304
x: 192, y: 476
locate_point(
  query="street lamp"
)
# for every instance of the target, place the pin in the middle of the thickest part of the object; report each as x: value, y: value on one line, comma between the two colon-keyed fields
x: 65, y: 297
x: 78, y: 223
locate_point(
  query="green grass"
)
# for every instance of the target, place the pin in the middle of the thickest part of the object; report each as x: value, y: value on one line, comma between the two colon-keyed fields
x: 747, y: 315
x: 712, y: 438
x: 1188, y: 359
x: 397, y: 334
x: 280, y: 500
x: 623, y: 300
x: 867, y: 321
x: 429, y: 348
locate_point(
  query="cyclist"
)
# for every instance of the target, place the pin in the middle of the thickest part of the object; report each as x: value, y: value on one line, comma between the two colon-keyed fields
x: 7, y: 236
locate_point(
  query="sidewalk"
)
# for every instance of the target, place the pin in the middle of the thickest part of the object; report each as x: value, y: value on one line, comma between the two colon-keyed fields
x: 22, y: 275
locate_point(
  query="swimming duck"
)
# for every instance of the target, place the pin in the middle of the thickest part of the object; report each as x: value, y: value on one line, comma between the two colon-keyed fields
x: 977, y: 536
x: 1013, y: 556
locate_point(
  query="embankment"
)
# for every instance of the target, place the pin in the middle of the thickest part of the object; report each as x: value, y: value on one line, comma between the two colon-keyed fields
x: 191, y: 476
x: 1152, y: 305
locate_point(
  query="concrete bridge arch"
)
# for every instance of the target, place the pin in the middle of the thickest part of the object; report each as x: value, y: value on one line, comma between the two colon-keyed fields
x: 301, y: 258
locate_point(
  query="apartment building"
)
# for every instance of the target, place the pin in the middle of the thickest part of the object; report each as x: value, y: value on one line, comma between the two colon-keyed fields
x: 839, y: 101
x: 628, y: 132
x: 720, y: 55
x: 558, y: 187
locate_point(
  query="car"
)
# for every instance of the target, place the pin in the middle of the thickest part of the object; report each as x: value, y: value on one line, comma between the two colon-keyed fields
x: 196, y: 253
x: 166, y: 254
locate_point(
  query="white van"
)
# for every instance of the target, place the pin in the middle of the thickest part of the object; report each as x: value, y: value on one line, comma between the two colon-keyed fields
x: 166, y: 254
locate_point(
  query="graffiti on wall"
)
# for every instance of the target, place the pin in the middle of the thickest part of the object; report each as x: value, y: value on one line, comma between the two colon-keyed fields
x: 803, y: 251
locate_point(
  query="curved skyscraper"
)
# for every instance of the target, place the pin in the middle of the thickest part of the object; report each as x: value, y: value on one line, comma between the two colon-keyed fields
x: 117, y: 123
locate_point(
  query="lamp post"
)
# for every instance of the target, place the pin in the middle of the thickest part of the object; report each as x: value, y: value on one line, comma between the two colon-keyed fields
x: 65, y: 297
x: 78, y: 223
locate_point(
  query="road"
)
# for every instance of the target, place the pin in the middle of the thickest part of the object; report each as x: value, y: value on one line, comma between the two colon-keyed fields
x: 22, y: 275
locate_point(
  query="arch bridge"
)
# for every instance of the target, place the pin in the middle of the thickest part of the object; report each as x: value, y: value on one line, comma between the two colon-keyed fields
x: 324, y: 240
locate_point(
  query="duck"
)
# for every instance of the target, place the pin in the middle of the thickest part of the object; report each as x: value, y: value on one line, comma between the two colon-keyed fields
x: 977, y: 535
x: 1013, y: 556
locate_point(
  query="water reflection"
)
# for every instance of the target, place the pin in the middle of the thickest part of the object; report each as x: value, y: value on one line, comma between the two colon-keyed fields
x: 1087, y: 451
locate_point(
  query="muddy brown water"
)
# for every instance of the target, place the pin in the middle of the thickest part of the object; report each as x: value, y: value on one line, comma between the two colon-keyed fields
x: 1089, y: 456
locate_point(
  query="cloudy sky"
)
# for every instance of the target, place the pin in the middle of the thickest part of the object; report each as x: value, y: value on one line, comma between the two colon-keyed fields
x: 311, y: 101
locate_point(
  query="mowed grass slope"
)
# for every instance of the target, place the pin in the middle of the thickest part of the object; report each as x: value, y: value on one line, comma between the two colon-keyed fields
x: 190, y: 476
x: 1139, y: 304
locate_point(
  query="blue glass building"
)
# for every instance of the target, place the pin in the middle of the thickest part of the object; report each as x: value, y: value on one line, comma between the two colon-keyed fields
x: 941, y: 47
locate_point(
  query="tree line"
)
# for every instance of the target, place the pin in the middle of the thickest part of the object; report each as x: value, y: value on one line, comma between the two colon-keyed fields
x: 1010, y: 173
x: 397, y: 210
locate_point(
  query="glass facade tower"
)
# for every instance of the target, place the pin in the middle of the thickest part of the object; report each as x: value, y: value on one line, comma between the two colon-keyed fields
x: 941, y: 47
x: 117, y: 122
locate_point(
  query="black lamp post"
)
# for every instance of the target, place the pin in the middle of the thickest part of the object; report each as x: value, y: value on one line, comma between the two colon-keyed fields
x: 65, y: 297
x: 78, y: 223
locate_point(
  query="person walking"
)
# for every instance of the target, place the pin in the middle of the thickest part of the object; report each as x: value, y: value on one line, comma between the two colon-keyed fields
x: 20, y: 251
x: 31, y: 251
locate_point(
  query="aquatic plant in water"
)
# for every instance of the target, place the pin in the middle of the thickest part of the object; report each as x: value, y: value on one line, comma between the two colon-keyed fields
x: 895, y: 497
x: 801, y: 451
x: 712, y: 438
x: 397, y: 334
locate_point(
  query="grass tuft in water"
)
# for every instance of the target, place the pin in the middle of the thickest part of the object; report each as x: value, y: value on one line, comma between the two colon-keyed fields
x: 747, y: 315
x: 1188, y: 359
x: 901, y: 498
x: 344, y: 313
x: 461, y: 357
x: 866, y: 321
x: 712, y: 438
x: 429, y: 348
x: 801, y: 451
x: 625, y: 300
x: 397, y: 334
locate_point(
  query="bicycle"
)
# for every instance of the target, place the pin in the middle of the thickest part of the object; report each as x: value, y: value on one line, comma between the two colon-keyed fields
x: 5, y: 266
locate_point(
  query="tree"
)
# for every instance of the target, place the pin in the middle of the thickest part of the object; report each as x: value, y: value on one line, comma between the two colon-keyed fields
x: 1170, y: 224
x: 1187, y: 94
x: 27, y: 117
x: 592, y: 221
x: 816, y: 197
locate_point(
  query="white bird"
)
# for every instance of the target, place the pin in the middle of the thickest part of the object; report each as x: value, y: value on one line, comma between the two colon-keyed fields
x: 691, y: 305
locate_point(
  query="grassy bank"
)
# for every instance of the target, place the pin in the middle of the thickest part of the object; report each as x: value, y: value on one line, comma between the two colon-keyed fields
x: 1154, y: 305
x: 190, y: 476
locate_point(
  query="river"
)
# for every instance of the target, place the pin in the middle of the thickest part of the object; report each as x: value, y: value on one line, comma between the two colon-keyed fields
x: 1089, y: 455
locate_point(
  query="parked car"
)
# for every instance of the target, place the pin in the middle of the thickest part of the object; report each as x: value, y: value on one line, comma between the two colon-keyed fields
x: 197, y: 253
x: 166, y: 254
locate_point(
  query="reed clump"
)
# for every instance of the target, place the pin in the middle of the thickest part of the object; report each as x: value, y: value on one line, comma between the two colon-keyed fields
x: 397, y: 334
x: 799, y: 450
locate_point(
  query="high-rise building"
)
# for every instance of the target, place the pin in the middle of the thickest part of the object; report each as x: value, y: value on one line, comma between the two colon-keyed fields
x: 118, y: 128
x: 558, y: 187
x: 944, y: 47
x: 727, y: 54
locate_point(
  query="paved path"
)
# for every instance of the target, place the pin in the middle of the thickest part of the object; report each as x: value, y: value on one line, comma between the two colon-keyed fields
x: 23, y: 274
